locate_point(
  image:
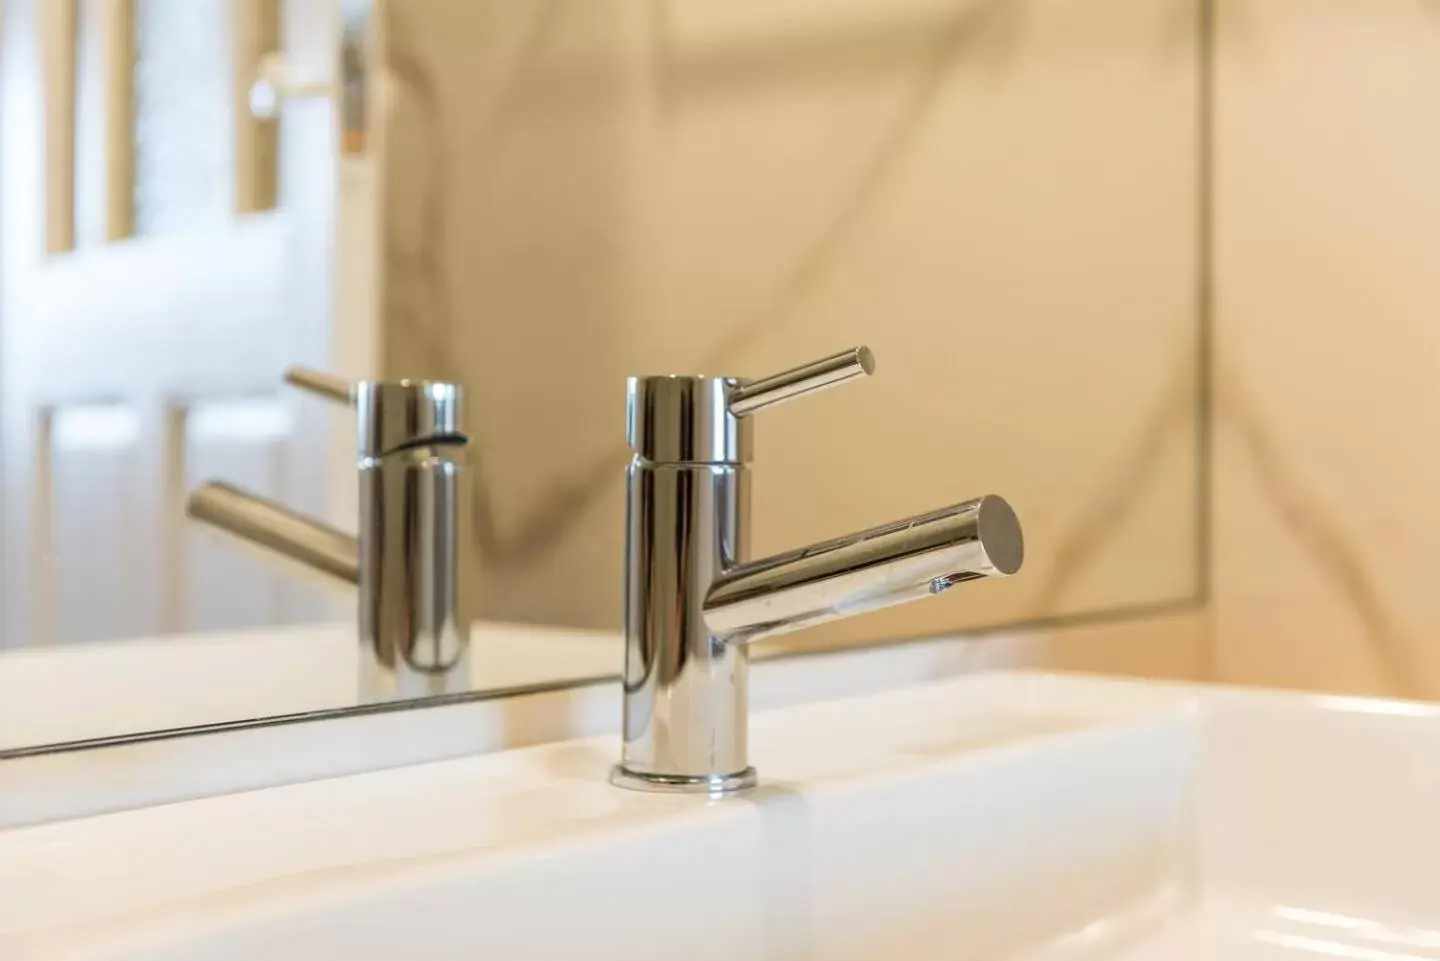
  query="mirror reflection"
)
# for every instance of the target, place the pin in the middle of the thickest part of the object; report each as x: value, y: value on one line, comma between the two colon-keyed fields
x: 363, y: 286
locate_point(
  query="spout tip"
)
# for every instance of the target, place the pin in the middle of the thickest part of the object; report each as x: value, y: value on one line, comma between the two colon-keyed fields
x: 866, y: 359
x: 1000, y: 534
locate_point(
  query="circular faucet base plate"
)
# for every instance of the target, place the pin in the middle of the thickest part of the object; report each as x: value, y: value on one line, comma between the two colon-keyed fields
x: 714, y: 785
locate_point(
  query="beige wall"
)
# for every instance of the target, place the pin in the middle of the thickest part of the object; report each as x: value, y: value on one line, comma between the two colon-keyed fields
x: 1328, y: 345
x: 1327, y: 361
x: 995, y: 196
x: 998, y: 196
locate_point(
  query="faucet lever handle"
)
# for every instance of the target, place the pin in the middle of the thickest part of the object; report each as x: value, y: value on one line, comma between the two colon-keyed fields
x: 798, y: 381
x: 322, y: 384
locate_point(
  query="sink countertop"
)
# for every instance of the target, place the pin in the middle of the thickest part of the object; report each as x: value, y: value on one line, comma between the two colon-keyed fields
x: 1002, y: 815
x: 178, y: 766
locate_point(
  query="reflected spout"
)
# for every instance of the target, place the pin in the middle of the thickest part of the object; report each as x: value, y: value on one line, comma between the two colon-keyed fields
x: 871, y: 569
x: 256, y: 520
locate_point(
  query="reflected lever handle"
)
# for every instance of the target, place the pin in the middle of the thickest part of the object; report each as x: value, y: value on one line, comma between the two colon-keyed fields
x: 807, y: 378
x: 318, y: 382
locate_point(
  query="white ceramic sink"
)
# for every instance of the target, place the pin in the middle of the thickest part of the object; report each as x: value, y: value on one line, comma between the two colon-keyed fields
x: 997, y: 816
x: 182, y: 680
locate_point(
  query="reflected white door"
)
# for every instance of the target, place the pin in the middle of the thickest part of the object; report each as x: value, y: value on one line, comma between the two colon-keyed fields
x: 163, y: 256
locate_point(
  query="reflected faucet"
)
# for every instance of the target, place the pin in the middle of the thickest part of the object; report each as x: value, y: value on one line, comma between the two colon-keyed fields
x: 693, y: 600
x: 407, y: 560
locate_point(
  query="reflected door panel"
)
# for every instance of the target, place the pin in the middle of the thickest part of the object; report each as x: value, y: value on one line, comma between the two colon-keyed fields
x: 152, y: 293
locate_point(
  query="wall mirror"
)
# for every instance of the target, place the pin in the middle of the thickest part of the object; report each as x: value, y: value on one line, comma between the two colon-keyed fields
x: 536, y: 199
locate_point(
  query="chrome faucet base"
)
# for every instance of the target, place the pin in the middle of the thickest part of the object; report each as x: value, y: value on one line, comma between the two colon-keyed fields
x: 715, y: 785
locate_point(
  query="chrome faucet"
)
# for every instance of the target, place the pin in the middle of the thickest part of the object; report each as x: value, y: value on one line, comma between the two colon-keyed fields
x: 694, y: 600
x: 407, y: 559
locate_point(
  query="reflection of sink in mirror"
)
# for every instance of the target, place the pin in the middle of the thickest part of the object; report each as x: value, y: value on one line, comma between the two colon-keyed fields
x: 147, y: 684
x: 1003, y: 816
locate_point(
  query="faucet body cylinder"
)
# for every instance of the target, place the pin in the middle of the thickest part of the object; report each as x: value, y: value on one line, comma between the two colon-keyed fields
x: 685, y: 689
x: 413, y: 627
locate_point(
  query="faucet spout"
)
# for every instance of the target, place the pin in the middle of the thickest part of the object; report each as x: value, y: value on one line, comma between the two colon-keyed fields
x: 263, y: 522
x: 886, y: 565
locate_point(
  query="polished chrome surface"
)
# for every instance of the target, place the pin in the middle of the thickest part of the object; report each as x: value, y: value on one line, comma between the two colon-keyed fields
x: 400, y: 414
x: 885, y: 565
x: 321, y: 384
x: 257, y: 520
x: 678, y: 419
x: 686, y: 691
x: 798, y: 381
x: 412, y: 508
x: 408, y: 557
x: 685, y: 420
x: 715, y: 785
x: 694, y: 599
x: 391, y: 414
